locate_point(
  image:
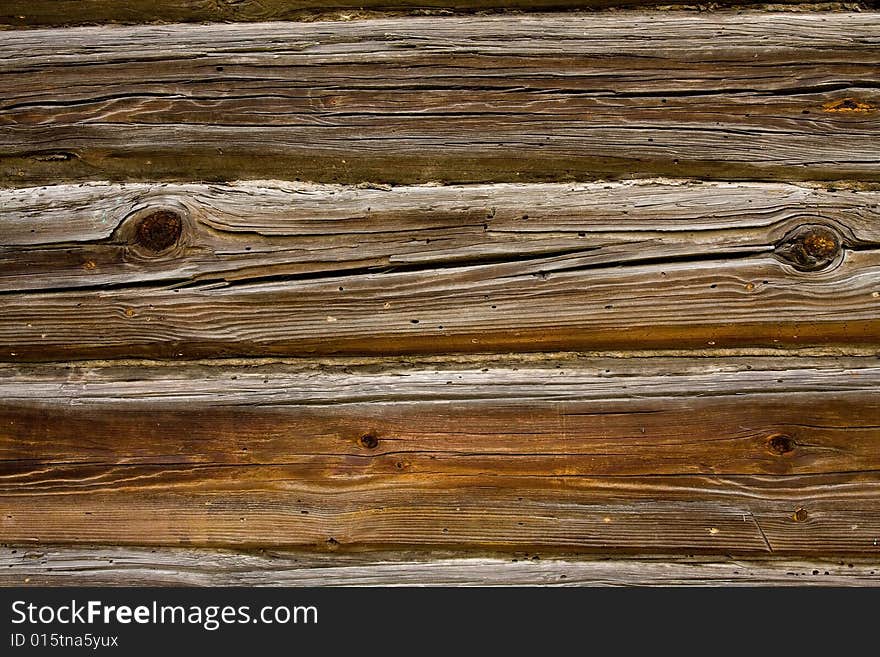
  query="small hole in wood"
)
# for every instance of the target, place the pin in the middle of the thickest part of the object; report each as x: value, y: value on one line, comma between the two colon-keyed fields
x: 369, y: 441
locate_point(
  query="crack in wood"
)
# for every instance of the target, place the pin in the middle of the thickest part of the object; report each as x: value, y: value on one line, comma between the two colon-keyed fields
x: 471, y: 99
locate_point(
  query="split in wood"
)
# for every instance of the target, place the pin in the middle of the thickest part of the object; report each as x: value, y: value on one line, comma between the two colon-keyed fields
x: 328, y: 269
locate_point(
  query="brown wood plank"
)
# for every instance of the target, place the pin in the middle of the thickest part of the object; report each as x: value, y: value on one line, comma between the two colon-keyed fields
x: 610, y: 455
x: 293, y: 269
x: 115, y: 566
x: 24, y: 13
x: 456, y: 99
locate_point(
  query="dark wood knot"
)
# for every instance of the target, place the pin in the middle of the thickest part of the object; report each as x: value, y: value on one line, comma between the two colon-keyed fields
x: 159, y: 230
x: 810, y: 247
x: 780, y: 444
x: 369, y: 441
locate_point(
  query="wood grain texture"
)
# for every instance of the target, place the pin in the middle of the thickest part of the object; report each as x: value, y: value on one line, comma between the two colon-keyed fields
x: 24, y: 13
x: 456, y: 99
x: 114, y: 566
x: 744, y: 456
x: 299, y: 269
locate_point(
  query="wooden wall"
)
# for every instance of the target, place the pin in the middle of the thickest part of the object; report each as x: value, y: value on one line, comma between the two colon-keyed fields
x: 439, y: 293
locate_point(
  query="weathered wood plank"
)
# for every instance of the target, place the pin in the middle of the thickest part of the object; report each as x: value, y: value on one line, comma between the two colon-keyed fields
x: 24, y: 13
x: 614, y: 455
x: 86, y: 236
x: 292, y: 268
x: 115, y: 566
x: 601, y: 416
x: 456, y: 99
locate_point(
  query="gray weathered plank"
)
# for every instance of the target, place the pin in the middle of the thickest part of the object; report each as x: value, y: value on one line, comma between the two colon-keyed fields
x: 456, y: 99
x: 268, y: 268
x: 115, y: 566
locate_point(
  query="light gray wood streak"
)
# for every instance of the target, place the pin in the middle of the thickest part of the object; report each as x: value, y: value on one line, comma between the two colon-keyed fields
x: 60, y: 566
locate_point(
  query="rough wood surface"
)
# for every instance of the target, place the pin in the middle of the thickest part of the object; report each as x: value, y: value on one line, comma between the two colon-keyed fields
x: 25, y: 13
x: 744, y: 456
x: 114, y: 566
x: 457, y: 99
x: 368, y: 444
x: 282, y: 268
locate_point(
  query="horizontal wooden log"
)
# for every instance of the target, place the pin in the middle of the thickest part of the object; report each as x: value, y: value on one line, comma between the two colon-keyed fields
x: 113, y: 566
x: 456, y: 99
x: 24, y: 13
x: 744, y: 456
x: 193, y: 270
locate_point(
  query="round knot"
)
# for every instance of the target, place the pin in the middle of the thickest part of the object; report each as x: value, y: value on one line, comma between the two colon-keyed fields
x: 159, y: 230
x: 780, y: 444
x: 810, y: 247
